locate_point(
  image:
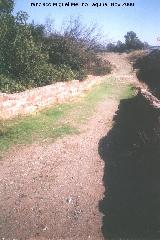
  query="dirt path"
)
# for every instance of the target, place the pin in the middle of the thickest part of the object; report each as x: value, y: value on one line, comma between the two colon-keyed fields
x: 52, y: 191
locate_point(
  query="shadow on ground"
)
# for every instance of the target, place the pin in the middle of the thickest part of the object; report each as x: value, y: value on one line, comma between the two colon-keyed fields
x: 131, y: 152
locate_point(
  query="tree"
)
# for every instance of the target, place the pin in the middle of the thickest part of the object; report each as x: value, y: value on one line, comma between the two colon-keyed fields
x: 7, y: 36
x: 120, y: 47
x: 22, y: 17
x: 20, y: 57
x: 132, y: 41
x: 111, y: 47
x: 90, y: 36
x: 38, y: 33
x: 6, y: 6
x: 75, y: 45
x: 65, y: 50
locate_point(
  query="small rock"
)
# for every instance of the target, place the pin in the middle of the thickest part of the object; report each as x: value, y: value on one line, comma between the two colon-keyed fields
x: 70, y: 200
x: 45, y: 228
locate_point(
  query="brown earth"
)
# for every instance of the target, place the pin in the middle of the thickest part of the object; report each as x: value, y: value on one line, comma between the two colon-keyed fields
x: 52, y: 191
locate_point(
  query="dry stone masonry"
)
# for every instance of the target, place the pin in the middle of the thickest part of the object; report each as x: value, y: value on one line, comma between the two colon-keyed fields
x: 30, y: 101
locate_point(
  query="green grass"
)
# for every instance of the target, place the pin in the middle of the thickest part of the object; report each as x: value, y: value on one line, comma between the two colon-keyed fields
x: 60, y: 120
x: 87, y: 105
x: 127, y: 92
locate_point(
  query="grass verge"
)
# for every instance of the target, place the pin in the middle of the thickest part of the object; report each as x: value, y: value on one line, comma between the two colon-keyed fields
x: 60, y: 120
x: 127, y: 92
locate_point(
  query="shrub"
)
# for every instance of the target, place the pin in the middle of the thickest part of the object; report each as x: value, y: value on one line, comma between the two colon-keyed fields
x: 9, y: 85
x: 26, y: 59
x: 22, y: 59
x: 6, y: 6
x: 100, y: 67
x: 7, y: 36
x: 81, y: 74
x: 32, y: 57
x: 64, y: 73
x: 75, y: 46
x: 44, y: 75
x: 67, y: 51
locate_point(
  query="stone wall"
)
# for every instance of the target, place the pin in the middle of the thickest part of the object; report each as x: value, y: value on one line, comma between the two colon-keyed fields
x: 31, y: 101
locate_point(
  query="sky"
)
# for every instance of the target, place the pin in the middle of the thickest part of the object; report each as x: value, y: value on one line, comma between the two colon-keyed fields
x: 114, y: 22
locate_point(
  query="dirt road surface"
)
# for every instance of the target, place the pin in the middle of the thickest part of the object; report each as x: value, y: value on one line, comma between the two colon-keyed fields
x: 52, y: 191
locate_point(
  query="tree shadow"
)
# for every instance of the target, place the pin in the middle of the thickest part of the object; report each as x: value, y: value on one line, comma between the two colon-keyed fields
x: 131, y: 152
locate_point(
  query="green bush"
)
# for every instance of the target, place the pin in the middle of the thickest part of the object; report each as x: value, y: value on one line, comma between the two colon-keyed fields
x: 44, y: 75
x: 9, y: 85
x: 100, y: 67
x: 7, y: 36
x: 65, y: 73
x: 22, y: 59
x: 63, y: 50
x: 6, y: 6
x: 26, y: 60
x: 71, y: 50
x: 81, y: 74
x: 32, y: 57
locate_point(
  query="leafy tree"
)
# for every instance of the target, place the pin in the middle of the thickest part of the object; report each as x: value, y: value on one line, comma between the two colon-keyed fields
x: 22, y: 17
x: 38, y: 33
x: 28, y: 63
x: 7, y: 36
x: 132, y: 41
x: 64, y: 50
x: 20, y: 58
x: 111, y: 47
x: 75, y: 46
x: 6, y: 6
x: 120, y: 47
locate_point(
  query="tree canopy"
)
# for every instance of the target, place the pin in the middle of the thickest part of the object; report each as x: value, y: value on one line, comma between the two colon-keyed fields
x: 6, y: 6
x: 132, y: 41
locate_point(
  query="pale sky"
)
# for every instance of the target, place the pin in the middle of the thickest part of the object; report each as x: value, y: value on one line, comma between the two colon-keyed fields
x: 114, y: 22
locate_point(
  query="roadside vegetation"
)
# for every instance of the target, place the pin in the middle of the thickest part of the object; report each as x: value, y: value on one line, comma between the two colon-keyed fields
x: 61, y: 120
x: 33, y: 55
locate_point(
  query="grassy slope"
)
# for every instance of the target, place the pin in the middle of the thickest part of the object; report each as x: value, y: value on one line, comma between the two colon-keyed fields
x: 60, y: 120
